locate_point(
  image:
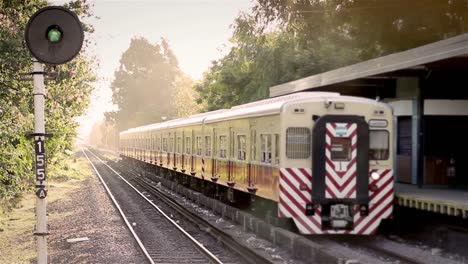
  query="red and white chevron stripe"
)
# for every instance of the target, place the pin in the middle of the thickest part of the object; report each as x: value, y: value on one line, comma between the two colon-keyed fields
x: 340, y: 177
x: 203, y: 168
x: 296, y: 192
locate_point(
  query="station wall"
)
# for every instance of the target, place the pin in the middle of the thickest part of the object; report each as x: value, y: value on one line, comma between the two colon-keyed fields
x: 445, y: 123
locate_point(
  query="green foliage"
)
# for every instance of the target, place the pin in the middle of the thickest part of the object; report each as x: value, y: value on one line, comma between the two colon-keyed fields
x: 281, y: 41
x: 144, y: 84
x: 67, y: 98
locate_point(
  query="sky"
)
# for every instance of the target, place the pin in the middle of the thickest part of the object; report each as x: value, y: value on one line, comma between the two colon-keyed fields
x: 198, y: 32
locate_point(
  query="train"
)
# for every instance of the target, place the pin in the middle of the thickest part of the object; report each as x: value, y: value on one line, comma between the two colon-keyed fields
x: 325, y: 160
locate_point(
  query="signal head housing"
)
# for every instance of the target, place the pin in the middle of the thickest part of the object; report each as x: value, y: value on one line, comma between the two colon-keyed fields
x: 54, y: 35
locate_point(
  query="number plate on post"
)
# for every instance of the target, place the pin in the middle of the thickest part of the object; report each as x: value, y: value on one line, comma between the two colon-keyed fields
x: 41, y: 192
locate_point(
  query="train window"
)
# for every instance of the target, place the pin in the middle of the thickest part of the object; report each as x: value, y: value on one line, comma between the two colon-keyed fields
x: 277, y: 148
x: 241, y: 146
x: 232, y: 146
x: 165, y: 144
x: 172, y: 145
x: 179, y: 145
x: 340, y: 149
x: 298, y: 142
x: 378, y: 145
x: 199, y: 146
x: 188, y: 145
x: 266, y: 148
x: 253, y: 155
x: 222, y: 146
x: 208, y: 146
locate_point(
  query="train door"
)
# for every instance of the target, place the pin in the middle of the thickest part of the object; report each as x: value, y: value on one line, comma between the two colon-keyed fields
x: 182, y: 152
x: 214, y: 165
x: 340, y: 166
x: 252, y: 168
x: 231, y: 157
x: 192, y: 150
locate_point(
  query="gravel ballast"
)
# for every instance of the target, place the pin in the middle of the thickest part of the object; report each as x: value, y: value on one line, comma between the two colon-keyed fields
x: 89, y: 229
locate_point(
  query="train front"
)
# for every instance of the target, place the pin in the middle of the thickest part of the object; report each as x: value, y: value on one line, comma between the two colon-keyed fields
x: 336, y: 173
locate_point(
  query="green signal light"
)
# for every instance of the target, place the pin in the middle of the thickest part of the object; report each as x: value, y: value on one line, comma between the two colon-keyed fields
x: 54, y: 35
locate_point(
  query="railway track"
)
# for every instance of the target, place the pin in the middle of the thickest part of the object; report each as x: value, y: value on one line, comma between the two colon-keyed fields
x: 199, y: 231
x: 378, y: 249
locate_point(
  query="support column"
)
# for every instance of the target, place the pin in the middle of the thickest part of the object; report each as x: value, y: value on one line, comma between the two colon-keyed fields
x: 417, y: 133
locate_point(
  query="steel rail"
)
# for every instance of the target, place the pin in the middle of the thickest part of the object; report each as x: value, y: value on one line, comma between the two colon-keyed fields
x: 246, y: 253
x: 211, y: 257
x: 145, y: 252
x: 367, y: 245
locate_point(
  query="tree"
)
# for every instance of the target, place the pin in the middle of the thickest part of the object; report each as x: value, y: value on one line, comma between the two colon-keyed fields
x: 144, y: 84
x: 67, y: 98
x: 281, y: 41
x: 372, y: 27
x: 104, y: 134
x: 184, y: 97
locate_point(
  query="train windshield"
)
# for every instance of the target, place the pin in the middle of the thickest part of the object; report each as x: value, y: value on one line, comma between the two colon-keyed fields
x: 341, y: 149
x: 378, y: 145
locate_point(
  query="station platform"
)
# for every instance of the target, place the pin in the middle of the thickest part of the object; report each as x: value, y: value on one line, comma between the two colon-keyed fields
x: 443, y: 201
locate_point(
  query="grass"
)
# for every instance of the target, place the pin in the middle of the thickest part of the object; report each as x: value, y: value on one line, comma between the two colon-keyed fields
x: 17, y: 243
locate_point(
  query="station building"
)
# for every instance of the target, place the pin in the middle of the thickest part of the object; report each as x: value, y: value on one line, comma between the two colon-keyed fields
x: 428, y: 89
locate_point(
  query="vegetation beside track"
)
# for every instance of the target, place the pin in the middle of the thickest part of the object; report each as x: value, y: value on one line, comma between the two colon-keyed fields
x: 67, y: 98
x: 17, y: 242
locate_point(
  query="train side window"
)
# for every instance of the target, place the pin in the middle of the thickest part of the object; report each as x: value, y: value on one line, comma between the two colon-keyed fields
x: 208, y: 146
x: 241, y: 146
x: 222, y: 146
x: 298, y: 142
x: 253, y: 137
x: 266, y: 147
x: 165, y: 144
x: 379, y: 144
x: 188, y: 145
x: 179, y: 145
x: 233, y: 144
x: 277, y: 148
x: 199, y: 146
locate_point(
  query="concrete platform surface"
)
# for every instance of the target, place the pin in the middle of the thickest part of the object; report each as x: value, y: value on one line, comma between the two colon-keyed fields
x: 444, y: 201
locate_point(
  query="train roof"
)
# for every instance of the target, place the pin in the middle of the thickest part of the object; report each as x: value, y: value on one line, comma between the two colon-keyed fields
x: 265, y: 107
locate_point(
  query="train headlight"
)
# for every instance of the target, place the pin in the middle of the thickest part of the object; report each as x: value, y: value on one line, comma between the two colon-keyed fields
x: 375, y: 176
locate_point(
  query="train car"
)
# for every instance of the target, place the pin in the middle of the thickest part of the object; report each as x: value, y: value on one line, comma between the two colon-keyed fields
x: 326, y: 160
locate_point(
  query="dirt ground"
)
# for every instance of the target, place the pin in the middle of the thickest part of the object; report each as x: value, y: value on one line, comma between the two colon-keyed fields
x: 77, y: 208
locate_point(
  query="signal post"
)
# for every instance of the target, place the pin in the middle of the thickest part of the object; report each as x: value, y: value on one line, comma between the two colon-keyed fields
x: 54, y: 35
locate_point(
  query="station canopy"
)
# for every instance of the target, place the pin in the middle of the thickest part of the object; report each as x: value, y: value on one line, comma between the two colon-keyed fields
x: 443, y: 65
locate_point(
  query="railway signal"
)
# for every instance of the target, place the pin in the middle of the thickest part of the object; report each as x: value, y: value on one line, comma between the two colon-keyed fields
x: 54, y: 35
